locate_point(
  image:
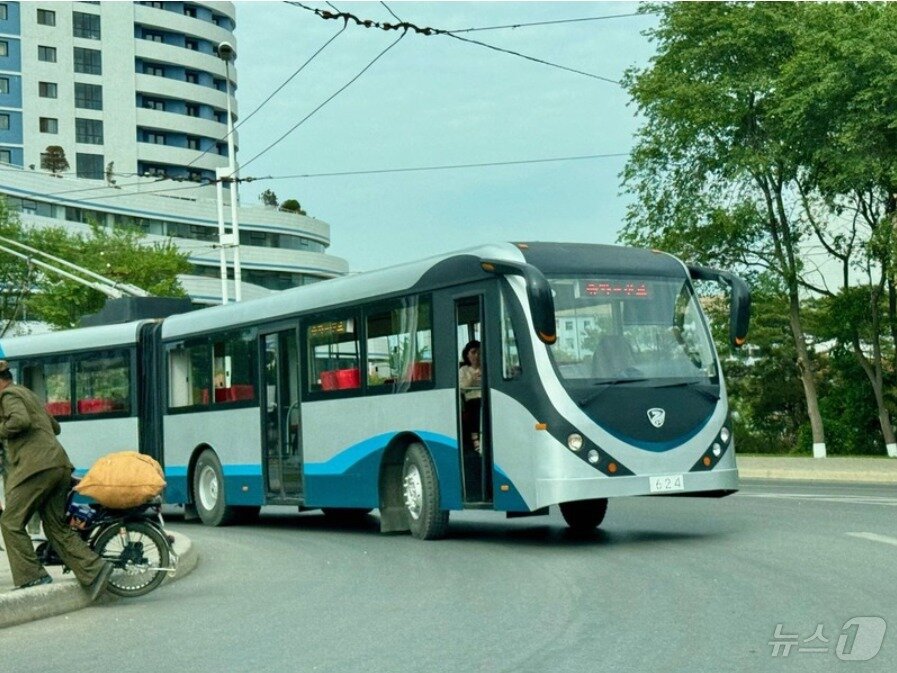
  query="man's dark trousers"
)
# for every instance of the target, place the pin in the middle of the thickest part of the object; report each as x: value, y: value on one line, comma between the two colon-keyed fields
x: 46, y: 493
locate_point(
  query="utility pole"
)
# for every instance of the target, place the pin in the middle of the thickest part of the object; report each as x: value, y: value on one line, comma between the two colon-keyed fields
x: 227, y: 53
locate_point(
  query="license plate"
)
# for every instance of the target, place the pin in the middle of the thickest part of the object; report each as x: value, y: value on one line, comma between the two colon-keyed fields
x: 673, y: 482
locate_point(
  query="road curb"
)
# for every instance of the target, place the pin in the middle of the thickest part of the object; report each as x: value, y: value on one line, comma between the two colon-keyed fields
x: 65, y: 594
x: 814, y: 475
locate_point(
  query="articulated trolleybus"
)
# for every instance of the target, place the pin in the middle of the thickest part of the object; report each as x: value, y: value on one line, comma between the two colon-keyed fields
x: 598, y: 379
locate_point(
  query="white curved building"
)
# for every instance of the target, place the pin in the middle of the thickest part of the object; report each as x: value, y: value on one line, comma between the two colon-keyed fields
x: 133, y: 92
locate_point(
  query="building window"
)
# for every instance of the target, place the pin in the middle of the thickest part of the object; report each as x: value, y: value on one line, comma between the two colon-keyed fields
x: 4, y: 121
x: 89, y: 166
x: 5, y: 156
x: 155, y: 5
x: 89, y: 131
x: 154, y: 104
x: 192, y: 143
x: 47, y: 54
x: 153, y: 36
x: 153, y: 69
x: 4, y: 12
x: 193, y: 45
x: 86, y: 25
x: 4, y: 48
x: 192, y: 77
x: 192, y: 110
x: 154, y: 138
x: 46, y: 89
x: 46, y: 17
x: 88, y: 61
x: 190, y: 11
x: 49, y: 125
x: 4, y: 84
x: 88, y: 96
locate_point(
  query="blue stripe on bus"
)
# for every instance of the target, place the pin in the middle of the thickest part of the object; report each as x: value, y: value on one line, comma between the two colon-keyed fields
x: 242, y: 484
x: 510, y: 500
x: 352, y: 477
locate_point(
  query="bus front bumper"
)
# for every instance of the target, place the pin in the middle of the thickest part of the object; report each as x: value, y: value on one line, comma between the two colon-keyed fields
x: 555, y: 491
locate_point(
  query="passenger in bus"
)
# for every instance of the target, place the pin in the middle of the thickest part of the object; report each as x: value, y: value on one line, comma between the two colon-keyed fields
x: 470, y: 382
x: 38, y: 479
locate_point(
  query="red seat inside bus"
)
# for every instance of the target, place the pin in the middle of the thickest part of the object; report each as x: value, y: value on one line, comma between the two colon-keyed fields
x: 341, y: 379
x: 235, y: 392
x: 96, y: 405
x: 61, y: 408
x: 422, y: 371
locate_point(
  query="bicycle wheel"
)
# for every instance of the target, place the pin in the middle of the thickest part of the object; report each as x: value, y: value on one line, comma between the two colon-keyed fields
x: 139, y: 555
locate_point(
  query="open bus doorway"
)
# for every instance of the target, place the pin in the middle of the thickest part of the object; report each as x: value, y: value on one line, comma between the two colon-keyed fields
x: 473, y: 402
x: 282, y: 449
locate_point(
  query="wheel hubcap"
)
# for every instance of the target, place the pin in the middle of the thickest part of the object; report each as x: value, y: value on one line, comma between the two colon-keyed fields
x: 208, y: 488
x: 414, y: 492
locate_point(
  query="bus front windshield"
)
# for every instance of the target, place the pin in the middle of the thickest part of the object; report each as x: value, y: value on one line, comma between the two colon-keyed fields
x: 626, y: 329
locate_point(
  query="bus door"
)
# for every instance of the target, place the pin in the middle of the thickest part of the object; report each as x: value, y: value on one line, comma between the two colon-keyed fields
x: 280, y: 409
x: 473, y: 401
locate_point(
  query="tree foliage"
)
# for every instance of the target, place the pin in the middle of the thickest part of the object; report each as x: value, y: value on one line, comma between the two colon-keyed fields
x: 120, y: 255
x: 769, y: 131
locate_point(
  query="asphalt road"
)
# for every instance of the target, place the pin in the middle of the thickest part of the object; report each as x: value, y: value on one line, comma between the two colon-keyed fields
x: 669, y: 584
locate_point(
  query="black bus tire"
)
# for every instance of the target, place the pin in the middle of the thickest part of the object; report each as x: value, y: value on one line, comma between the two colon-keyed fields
x: 145, y: 546
x: 584, y: 516
x: 208, y: 491
x: 420, y: 492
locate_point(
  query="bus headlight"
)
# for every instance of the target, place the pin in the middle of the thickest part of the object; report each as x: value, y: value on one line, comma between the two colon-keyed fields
x: 593, y: 456
x: 724, y: 435
x: 717, y: 450
x: 574, y: 441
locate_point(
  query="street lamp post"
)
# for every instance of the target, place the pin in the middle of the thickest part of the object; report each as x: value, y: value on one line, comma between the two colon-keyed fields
x: 227, y: 53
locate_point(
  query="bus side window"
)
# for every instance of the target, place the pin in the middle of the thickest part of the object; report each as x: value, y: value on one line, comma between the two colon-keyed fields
x: 189, y: 376
x: 333, y: 358
x: 510, y: 355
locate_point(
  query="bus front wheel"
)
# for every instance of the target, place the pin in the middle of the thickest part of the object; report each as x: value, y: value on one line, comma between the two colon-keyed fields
x: 584, y: 516
x: 208, y: 491
x: 420, y: 490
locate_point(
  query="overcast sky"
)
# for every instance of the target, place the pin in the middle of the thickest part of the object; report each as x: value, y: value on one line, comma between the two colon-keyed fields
x: 435, y: 101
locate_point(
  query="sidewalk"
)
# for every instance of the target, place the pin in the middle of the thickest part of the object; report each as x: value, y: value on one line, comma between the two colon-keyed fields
x: 862, y: 470
x: 65, y: 594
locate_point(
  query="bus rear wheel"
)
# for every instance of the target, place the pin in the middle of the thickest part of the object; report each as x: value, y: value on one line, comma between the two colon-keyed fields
x: 584, y: 516
x: 420, y: 491
x: 208, y: 491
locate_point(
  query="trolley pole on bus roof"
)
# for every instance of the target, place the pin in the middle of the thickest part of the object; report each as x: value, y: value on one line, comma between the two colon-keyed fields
x: 227, y: 53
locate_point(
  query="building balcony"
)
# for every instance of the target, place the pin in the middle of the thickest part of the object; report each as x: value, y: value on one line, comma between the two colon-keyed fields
x: 170, y: 21
x: 173, y: 88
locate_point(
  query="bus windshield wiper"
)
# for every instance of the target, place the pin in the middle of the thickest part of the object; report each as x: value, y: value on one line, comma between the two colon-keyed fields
x: 710, y: 390
x: 605, y: 384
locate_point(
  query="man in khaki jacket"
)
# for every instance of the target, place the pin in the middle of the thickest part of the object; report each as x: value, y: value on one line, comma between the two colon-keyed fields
x: 38, y: 476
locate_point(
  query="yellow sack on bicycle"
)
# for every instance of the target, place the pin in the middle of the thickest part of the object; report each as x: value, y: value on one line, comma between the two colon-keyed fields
x: 124, y: 479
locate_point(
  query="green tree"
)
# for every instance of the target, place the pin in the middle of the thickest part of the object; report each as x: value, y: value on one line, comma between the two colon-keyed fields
x: 120, y: 255
x: 53, y: 159
x: 712, y: 174
x: 292, y: 206
x: 268, y: 197
x: 839, y: 111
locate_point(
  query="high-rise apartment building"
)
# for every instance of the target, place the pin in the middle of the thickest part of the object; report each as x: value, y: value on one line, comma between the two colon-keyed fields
x: 131, y: 93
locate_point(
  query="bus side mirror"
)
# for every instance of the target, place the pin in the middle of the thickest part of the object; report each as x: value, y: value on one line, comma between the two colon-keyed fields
x: 538, y: 292
x: 740, y: 306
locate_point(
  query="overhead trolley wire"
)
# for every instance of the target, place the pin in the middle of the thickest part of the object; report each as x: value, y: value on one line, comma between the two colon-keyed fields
x: 332, y: 96
x: 275, y: 92
x: 546, y: 23
x: 427, y: 31
x: 438, y: 168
